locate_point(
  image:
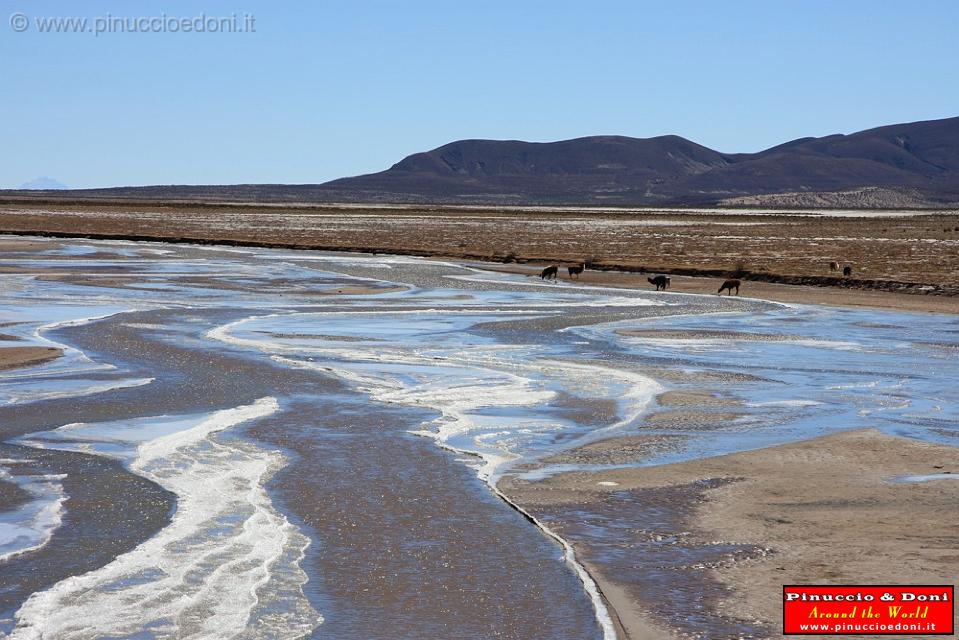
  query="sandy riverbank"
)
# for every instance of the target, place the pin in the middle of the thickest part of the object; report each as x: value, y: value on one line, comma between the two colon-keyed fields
x: 795, y: 294
x: 13, y: 357
x: 742, y: 525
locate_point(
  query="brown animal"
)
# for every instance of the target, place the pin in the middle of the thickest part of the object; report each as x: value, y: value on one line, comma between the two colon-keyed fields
x: 576, y: 270
x: 730, y: 284
x: 661, y: 282
x: 834, y: 266
x: 549, y: 273
x: 846, y: 271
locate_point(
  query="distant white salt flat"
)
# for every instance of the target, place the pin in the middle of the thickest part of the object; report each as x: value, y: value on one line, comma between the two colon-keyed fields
x: 507, y: 209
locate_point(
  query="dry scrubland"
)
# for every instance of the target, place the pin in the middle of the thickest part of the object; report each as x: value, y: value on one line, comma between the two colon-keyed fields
x: 912, y: 253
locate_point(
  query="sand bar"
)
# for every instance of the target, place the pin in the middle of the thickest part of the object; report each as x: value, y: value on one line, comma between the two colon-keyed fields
x: 13, y: 357
x: 825, y: 510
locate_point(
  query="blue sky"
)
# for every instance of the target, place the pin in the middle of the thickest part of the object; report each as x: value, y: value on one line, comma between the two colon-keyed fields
x: 327, y: 89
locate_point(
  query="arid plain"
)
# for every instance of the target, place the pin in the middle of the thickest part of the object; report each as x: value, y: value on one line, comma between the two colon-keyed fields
x: 900, y: 251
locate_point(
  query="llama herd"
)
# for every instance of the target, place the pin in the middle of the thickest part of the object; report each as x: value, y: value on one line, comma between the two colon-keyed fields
x: 662, y: 282
x: 846, y: 270
x: 550, y: 272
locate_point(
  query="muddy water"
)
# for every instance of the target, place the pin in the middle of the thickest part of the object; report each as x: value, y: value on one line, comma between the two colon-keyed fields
x: 253, y: 443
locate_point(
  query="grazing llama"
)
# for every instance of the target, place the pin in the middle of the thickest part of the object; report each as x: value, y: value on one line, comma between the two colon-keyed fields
x: 834, y: 266
x: 661, y: 282
x: 576, y: 270
x: 549, y: 273
x: 730, y: 284
x: 846, y: 271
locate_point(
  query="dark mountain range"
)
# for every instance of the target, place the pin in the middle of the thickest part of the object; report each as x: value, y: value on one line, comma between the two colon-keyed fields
x: 904, y: 163
x: 921, y: 156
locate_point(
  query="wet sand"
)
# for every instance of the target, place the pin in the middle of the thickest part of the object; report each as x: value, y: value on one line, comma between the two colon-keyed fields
x: 11, y: 496
x: 26, y: 246
x: 411, y: 544
x: 14, y: 357
x: 740, y: 526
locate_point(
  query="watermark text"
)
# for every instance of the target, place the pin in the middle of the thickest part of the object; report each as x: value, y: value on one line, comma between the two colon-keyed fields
x: 109, y: 24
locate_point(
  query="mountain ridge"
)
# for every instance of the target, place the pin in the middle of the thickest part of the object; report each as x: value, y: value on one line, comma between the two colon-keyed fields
x: 920, y: 155
x: 920, y: 159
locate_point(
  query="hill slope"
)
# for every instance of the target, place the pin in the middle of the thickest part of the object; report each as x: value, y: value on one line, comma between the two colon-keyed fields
x: 670, y: 169
x: 916, y: 162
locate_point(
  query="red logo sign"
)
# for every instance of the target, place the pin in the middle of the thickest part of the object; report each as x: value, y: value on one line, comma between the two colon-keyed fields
x: 872, y: 610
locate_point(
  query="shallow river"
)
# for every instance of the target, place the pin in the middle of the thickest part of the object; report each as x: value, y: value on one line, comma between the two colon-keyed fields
x: 244, y: 443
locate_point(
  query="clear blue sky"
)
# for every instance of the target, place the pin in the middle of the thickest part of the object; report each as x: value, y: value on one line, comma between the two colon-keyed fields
x: 332, y: 88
